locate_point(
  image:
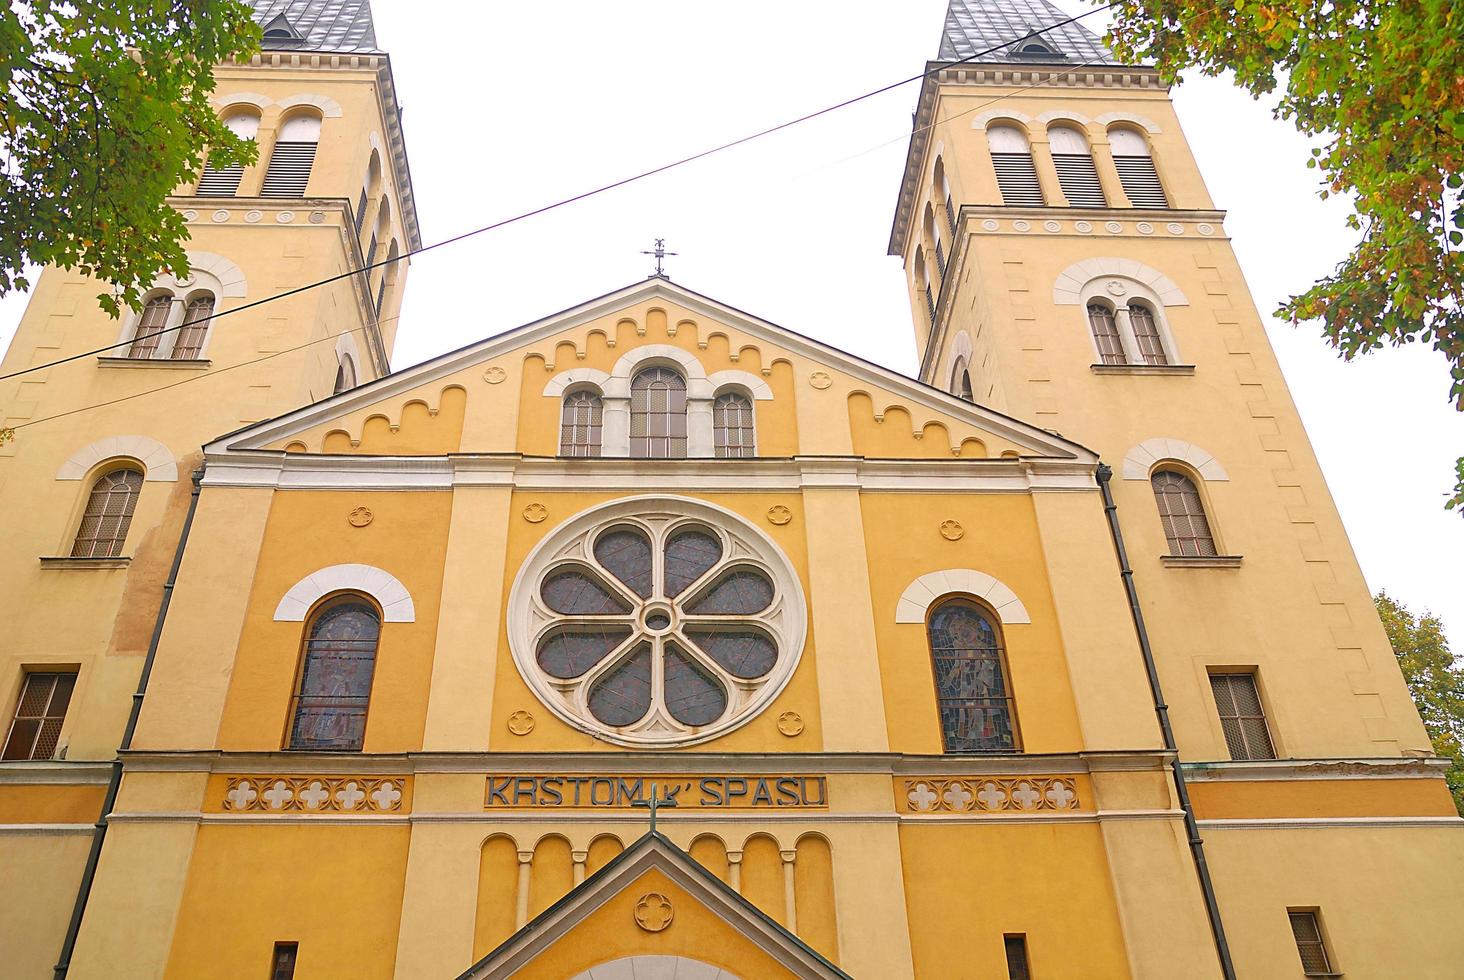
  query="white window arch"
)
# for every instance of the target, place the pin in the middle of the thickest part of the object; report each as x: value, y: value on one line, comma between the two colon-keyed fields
x: 1076, y: 173
x: 176, y: 319
x: 1127, y: 323
x: 928, y: 589
x: 388, y: 591
x: 1011, y: 156
x: 1134, y: 161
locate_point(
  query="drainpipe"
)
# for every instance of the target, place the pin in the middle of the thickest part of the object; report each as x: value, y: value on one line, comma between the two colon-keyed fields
x: 1161, y: 710
x: 99, y: 834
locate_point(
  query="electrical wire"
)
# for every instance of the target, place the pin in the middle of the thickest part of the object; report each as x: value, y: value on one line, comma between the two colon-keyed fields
x: 570, y: 200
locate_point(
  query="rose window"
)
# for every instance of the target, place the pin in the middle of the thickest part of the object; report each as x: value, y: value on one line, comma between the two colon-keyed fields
x: 657, y: 621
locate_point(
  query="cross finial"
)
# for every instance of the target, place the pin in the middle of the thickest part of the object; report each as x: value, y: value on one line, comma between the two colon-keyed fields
x: 655, y: 803
x: 660, y: 253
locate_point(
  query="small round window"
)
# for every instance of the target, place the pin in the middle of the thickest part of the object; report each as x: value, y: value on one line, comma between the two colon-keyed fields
x: 656, y: 621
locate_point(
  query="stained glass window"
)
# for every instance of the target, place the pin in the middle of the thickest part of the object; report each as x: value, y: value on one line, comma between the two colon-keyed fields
x: 658, y: 414
x: 626, y: 553
x: 740, y: 592
x: 581, y: 424
x: 732, y: 426
x: 1183, y: 515
x: 335, y: 679
x: 689, y: 555
x: 971, y: 689
x: 623, y: 696
x: 108, y: 514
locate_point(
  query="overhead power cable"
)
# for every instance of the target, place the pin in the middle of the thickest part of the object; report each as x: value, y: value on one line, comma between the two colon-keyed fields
x: 603, y: 188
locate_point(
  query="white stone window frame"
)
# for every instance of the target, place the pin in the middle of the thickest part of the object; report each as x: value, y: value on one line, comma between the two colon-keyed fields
x: 388, y: 591
x: 1116, y: 291
x: 933, y: 588
x: 702, y: 390
x: 572, y: 544
x: 208, y: 273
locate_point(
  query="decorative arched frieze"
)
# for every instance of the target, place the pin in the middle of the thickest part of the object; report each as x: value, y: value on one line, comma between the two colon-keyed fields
x: 562, y: 381
x: 1068, y: 289
x: 230, y: 277
x: 649, y: 965
x: 228, y: 99
x: 927, y: 589
x: 991, y: 115
x: 1147, y: 125
x: 156, y: 459
x: 391, y: 594
x: 746, y: 380
x: 329, y: 108
x: 1139, y: 462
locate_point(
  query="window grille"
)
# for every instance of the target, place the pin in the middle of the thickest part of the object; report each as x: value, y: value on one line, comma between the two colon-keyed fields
x: 334, y: 690
x: 370, y: 255
x: 930, y: 303
x: 360, y: 213
x: 1308, y: 933
x: 972, y: 696
x: 108, y: 514
x: 1183, y: 515
x: 197, y: 316
x: 289, y: 170
x: 1146, y: 332
x: 1017, y: 178
x: 1241, y: 716
x: 940, y: 258
x: 1105, y: 334
x: 658, y: 415
x: 950, y: 210
x: 1016, y: 957
x: 1076, y: 173
x: 580, y: 424
x: 154, y: 318
x: 1141, y: 182
x: 732, y: 423
x: 380, y: 292
x: 282, y: 966
x: 39, y: 714
x: 220, y: 181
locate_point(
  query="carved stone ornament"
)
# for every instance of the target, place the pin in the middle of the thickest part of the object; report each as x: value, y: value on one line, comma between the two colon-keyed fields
x: 952, y: 530
x: 313, y: 794
x: 790, y: 723
x: 820, y: 380
x: 779, y: 515
x: 980, y: 794
x: 535, y: 513
x: 361, y: 516
x: 520, y: 722
x: 317, y: 217
x: 495, y: 375
x: 653, y: 912
x: 1115, y: 287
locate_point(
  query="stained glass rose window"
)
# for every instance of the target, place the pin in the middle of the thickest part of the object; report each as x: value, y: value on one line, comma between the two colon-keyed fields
x: 657, y: 621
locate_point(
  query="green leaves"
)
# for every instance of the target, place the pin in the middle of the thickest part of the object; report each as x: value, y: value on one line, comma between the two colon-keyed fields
x: 104, y: 111
x: 1383, y: 82
x: 1434, y: 679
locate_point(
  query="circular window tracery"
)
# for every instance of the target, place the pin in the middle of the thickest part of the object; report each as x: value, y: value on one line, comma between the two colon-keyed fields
x: 657, y: 621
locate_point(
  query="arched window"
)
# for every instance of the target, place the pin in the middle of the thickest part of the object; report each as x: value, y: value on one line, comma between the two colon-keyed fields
x: 154, y: 318
x: 108, y: 514
x: 1105, y: 334
x: 1183, y: 515
x: 224, y: 181
x: 580, y: 424
x: 658, y: 414
x: 922, y: 282
x: 197, y: 315
x: 732, y: 425
x: 943, y: 188
x: 388, y: 275
x: 334, y: 687
x: 345, y: 378
x: 1075, y: 171
x: 294, y: 154
x: 373, y: 181
x: 1011, y: 155
x: 1135, y: 165
x: 932, y: 235
x: 1146, y: 333
x: 961, y: 381
x: 971, y: 689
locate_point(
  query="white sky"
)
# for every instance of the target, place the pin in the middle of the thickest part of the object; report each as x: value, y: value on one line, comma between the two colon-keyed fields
x: 511, y: 106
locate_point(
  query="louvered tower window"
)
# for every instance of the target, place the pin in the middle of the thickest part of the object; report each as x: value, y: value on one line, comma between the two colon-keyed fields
x: 732, y: 426
x: 108, y: 514
x: 1146, y: 333
x: 922, y: 282
x: 580, y: 424
x: 943, y: 188
x: 658, y: 414
x: 1011, y: 155
x: 1076, y: 173
x: 1135, y: 165
x: 154, y: 318
x: 1241, y: 716
x: 197, y: 316
x: 932, y: 235
x: 1105, y: 334
x: 1183, y: 515
x: 294, y: 153
x: 224, y: 181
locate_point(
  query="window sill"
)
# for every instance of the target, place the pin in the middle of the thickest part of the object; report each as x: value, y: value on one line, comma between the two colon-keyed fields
x: 1173, y: 369
x: 1200, y: 561
x: 66, y: 561
x: 183, y: 363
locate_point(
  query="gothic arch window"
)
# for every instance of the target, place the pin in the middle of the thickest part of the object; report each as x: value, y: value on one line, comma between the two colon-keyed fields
x: 1134, y: 161
x: 345, y: 378
x: 333, y: 689
x: 147, y: 337
x: 658, y: 414
x: 108, y: 513
x: 961, y: 381
x: 293, y: 156
x: 581, y: 424
x: 1146, y: 333
x: 972, y: 693
x: 1016, y: 176
x: 193, y: 331
x: 1104, y: 324
x: 1182, y: 513
x: 1076, y: 173
x: 733, y: 429
x: 243, y: 122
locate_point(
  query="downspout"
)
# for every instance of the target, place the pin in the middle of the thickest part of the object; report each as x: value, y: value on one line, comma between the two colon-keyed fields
x: 99, y: 834
x: 1161, y: 710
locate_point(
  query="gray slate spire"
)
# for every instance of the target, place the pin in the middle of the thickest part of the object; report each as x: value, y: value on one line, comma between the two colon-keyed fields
x: 976, y: 25
x: 342, y: 26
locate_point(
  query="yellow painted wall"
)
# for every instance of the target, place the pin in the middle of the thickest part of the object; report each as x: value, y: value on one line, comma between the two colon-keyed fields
x: 39, y: 873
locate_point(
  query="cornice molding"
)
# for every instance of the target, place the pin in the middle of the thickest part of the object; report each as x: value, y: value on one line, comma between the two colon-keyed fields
x: 1309, y: 769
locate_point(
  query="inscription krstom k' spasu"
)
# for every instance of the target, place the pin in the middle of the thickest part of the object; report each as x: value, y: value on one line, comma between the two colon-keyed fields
x: 627, y: 791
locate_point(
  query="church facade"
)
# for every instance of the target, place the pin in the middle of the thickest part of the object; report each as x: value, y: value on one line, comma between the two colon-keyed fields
x: 654, y: 639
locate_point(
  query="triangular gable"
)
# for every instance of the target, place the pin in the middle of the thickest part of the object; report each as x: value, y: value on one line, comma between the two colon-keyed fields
x: 653, y: 853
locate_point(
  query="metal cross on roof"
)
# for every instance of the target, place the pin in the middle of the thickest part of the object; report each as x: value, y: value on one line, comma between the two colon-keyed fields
x: 655, y: 803
x: 660, y: 253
